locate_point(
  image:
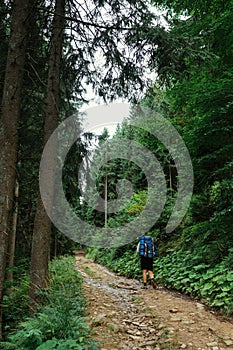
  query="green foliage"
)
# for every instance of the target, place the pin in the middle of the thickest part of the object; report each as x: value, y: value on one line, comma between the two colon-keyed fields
x: 212, y: 285
x: 117, y: 74
x: 129, y: 265
x: 69, y: 344
x: 15, y: 304
x: 122, y: 260
x: 197, y: 98
x: 61, y: 322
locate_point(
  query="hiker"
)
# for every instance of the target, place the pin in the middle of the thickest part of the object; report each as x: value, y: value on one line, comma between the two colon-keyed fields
x: 146, y: 251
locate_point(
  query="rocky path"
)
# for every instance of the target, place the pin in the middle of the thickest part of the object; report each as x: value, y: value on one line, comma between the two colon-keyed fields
x: 124, y: 316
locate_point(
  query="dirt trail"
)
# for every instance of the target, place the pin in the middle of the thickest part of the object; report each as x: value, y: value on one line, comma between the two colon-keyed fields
x: 124, y: 316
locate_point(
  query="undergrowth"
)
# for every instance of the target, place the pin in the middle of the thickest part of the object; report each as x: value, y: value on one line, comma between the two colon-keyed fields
x: 211, y: 284
x: 61, y: 322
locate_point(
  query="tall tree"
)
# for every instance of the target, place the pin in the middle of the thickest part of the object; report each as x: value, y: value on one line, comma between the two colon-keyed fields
x: 40, y: 254
x: 200, y: 102
x: 9, y: 124
x: 100, y: 36
x: 31, y: 129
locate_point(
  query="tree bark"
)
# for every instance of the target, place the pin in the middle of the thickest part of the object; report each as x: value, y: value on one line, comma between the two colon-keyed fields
x: 12, y: 238
x: 9, y: 123
x: 40, y: 254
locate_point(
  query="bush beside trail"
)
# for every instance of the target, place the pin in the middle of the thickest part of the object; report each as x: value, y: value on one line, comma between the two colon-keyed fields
x: 61, y: 322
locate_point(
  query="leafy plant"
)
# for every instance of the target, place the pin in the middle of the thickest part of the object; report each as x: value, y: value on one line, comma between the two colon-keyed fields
x: 61, y: 322
x: 15, y: 304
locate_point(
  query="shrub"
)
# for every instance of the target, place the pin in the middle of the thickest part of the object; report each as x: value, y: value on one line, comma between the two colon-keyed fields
x: 61, y: 322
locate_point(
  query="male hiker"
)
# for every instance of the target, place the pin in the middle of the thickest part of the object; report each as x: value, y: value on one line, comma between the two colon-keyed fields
x: 146, y: 251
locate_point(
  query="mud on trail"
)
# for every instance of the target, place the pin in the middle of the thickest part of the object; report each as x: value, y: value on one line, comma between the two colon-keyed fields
x: 124, y: 316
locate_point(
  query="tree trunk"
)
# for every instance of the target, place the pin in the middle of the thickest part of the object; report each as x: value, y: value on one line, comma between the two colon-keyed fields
x: 106, y: 201
x: 8, y: 125
x: 12, y: 238
x: 40, y: 254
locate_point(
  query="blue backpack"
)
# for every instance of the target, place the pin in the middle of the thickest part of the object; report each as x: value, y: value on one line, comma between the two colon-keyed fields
x: 147, y: 247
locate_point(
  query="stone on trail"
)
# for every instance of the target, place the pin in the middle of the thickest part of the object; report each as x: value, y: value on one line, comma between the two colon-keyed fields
x: 212, y: 344
x: 228, y: 342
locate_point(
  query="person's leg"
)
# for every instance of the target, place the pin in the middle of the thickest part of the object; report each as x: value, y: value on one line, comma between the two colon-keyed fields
x: 150, y: 273
x: 144, y: 277
x: 144, y: 271
x: 152, y: 279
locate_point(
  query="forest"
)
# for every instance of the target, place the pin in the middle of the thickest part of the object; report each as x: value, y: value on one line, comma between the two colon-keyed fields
x: 171, y: 58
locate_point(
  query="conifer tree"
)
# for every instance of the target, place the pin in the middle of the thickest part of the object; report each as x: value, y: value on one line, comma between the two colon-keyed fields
x: 10, y: 110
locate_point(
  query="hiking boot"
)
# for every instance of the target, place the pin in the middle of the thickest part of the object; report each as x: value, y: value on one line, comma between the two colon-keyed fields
x: 153, y: 283
x: 144, y: 286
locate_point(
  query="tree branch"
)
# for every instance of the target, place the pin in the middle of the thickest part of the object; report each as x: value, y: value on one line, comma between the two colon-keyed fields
x: 87, y: 23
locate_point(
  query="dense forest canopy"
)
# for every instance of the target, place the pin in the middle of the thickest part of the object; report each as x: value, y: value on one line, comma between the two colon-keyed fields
x: 51, y: 51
